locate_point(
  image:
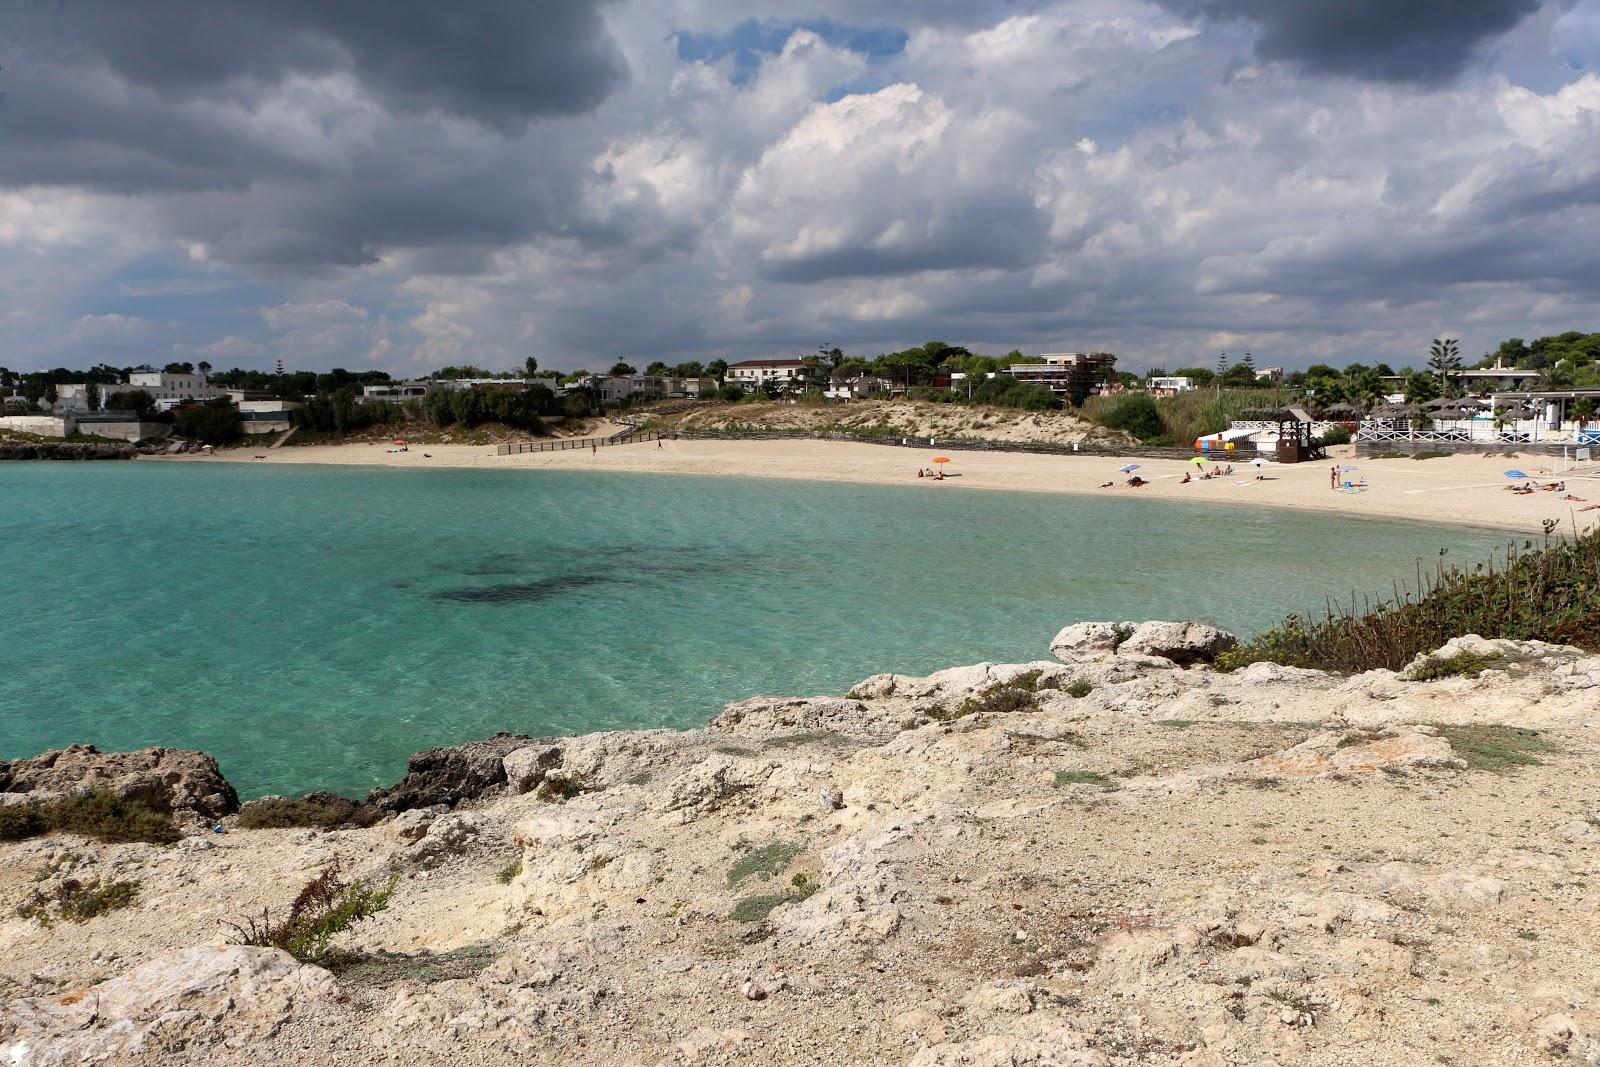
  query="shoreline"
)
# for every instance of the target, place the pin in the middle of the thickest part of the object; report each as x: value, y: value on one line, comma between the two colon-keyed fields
x: 1462, y: 491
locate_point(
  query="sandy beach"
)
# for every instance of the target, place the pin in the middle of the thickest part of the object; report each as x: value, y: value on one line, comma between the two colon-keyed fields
x: 1468, y: 490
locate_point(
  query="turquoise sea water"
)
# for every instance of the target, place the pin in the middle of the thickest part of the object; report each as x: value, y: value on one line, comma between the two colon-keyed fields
x: 312, y: 627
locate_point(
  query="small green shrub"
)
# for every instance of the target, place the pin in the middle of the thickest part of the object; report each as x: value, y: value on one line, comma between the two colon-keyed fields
x: 1430, y: 455
x: 20, y: 821
x: 1119, y: 634
x: 324, y: 908
x: 763, y: 862
x: 313, y: 809
x: 1497, y: 748
x: 1019, y: 694
x: 508, y: 872
x: 107, y: 817
x: 557, y: 786
x: 755, y: 908
x: 1065, y: 778
x: 78, y: 901
x: 1461, y: 665
x: 734, y: 750
x: 1135, y: 413
x: 1080, y: 688
x: 1336, y: 435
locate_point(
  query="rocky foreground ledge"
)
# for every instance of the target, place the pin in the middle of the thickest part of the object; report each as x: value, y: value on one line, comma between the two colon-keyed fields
x: 1115, y: 856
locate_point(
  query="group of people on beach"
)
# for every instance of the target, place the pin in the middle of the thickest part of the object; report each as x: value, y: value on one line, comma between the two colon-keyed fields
x: 936, y: 475
x: 1529, y: 487
x: 1206, y: 476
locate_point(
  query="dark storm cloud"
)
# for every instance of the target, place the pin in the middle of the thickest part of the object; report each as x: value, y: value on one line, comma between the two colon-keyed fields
x: 1421, y: 41
x: 499, y: 61
x: 189, y: 97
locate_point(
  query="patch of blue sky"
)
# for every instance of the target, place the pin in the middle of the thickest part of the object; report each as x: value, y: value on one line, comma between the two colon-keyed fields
x: 752, y: 40
x: 163, y: 289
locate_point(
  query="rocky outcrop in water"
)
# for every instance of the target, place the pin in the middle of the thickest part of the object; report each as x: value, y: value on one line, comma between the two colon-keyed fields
x: 172, y: 780
x: 64, y: 450
x: 1105, y: 858
x: 449, y: 775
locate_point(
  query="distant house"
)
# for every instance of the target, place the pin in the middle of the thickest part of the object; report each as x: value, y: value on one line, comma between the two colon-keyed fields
x: 164, y: 386
x: 1169, y: 384
x: 74, y: 396
x: 752, y: 374
x: 1068, y: 373
x: 616, y: 388
x: 1269, y: 374
x: 398, y: 392
x: 857, y: 385
x: 264, y: 415
x: 1481, y: 381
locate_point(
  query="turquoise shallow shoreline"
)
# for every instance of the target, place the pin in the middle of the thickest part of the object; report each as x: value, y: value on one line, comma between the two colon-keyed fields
x: 312, y: 626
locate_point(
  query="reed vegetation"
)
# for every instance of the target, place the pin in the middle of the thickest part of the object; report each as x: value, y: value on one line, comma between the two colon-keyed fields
x: 1178, y: 420
x: 1549, y: 592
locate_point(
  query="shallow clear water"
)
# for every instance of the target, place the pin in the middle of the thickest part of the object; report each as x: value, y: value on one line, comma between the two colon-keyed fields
x: 311, y: 626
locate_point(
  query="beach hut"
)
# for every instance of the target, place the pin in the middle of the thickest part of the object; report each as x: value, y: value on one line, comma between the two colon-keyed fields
x: 1296, y: 442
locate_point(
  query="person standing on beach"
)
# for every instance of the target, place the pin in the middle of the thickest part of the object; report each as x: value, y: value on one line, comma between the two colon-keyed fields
x: 1333, y: 477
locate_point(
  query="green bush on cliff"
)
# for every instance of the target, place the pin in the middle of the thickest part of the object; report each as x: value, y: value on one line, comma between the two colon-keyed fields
x: 78, y: 901
x: 324, y: 908
x: 313, y: 809
x: 1550, y: 593
x: 101, y: 815
x: 107, y: 817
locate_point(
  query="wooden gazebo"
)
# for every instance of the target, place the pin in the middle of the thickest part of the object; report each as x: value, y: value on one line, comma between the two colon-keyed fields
x: 1296, y: 443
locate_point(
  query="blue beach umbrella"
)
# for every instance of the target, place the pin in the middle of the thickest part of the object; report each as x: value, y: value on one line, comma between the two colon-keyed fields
x: 1130, y: 468
x: 1515, y: 474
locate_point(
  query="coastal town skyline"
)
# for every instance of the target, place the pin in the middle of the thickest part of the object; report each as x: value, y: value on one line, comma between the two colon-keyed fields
x: 695, y: 181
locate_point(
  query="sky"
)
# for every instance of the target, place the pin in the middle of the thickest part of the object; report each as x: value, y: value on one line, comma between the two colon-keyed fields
x: 415, y: 184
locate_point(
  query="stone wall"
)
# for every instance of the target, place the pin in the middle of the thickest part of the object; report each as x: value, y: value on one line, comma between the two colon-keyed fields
x: 132, y: 430
x: 43, y: 425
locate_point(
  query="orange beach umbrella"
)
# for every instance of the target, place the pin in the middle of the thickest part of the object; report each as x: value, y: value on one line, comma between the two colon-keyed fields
x: 941, y: 459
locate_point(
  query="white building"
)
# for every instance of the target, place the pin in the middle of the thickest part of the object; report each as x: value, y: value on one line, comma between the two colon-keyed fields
x: 168, y: 390
x: 164, y: 386
x: 1068, y: 373
x: 75, y: 396
x: 859, y: 386
x: 1169, y: 384
x: 752, y: 374
x: 616, y: 388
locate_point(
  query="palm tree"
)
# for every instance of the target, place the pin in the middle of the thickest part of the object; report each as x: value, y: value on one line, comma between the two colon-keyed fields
x: 1444, y: 358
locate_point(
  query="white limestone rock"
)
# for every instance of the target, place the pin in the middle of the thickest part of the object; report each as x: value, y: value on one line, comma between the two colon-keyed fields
x: 526, y: 767
x: 1090, y: 640
x: 1185, y: 643
x: 195, y: 998
x: 769, y: 714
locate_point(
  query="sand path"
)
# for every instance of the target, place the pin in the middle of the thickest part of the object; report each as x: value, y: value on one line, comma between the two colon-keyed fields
x: 1466, y: 490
